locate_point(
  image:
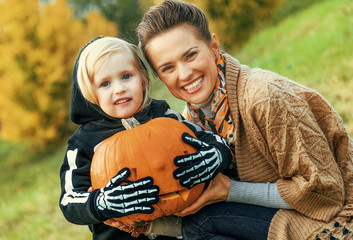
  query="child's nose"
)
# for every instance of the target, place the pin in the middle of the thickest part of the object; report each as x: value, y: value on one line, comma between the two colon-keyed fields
x: 119, y: 87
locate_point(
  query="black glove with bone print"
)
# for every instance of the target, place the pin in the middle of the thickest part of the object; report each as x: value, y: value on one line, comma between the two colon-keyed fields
x: 203, y: 165
x: 116, y: 200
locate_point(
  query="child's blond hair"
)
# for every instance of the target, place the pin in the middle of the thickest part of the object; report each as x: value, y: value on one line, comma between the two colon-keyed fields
x: 96, y: 53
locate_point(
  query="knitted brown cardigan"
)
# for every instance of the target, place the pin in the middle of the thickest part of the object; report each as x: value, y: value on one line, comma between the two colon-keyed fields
x: 289, y: 134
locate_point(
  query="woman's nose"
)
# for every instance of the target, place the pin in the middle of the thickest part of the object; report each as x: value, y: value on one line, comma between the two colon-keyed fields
x: 184, y: 71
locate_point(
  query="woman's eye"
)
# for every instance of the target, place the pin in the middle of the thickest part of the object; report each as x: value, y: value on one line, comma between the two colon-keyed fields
x: 105, y: 84
x: 166, y: 68
x: 126, y: 76
x: 191, y: 55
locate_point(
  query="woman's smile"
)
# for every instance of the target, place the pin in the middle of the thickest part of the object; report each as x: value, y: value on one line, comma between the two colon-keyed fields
x: 194, y: 86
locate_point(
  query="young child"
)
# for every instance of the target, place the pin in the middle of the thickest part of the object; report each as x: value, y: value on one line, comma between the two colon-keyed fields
x: 110, y: 83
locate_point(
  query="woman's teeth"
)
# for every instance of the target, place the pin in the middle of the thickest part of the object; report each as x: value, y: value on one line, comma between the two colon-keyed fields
x: 193, y: 85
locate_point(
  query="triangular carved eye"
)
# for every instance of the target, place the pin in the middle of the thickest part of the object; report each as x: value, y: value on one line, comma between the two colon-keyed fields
x: 184, y: 194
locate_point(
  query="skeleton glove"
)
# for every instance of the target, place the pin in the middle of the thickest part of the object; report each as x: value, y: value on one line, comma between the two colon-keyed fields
x: 201, y: 166
x: 117, y: 200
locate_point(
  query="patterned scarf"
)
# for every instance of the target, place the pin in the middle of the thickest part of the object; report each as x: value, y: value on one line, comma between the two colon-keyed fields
x: 222, y: 122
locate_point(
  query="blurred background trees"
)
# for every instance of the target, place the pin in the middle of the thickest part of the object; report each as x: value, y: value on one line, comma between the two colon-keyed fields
x: 124, y: 13
x: 40, y: 39
x: 233, y: 21
x: 38, y: 45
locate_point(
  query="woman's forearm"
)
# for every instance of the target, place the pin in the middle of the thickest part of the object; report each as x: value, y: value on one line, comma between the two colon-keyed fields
x: 262, y: 194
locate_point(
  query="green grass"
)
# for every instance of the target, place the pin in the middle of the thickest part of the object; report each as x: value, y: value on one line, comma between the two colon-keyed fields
x: 30, y: 191
x: 313, y: 47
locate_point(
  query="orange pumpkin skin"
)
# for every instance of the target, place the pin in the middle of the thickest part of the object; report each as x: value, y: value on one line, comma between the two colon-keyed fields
x: 147, y: 150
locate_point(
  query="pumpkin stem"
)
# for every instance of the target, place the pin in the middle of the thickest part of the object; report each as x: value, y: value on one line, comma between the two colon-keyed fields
x: 129, y: 123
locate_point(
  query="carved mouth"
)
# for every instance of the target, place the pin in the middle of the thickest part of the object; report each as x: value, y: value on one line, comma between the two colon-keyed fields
x: 184, y: 194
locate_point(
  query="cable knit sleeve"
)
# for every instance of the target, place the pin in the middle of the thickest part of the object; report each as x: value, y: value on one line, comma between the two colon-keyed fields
x: 297, y: 126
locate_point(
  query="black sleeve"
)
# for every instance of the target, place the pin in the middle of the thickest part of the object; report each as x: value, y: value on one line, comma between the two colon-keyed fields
x: 205, y: 136
x: 76, y: 203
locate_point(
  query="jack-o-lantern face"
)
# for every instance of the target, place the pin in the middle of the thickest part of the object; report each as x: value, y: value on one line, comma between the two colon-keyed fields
x: 147, y: 150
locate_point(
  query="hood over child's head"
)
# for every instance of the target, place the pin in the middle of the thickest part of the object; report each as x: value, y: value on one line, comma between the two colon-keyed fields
x: 84, y: 104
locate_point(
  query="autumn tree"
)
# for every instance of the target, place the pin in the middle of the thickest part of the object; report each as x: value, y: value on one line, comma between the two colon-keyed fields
x: 232, y: 21
x: 125, y: 14
x: 235, y: 21
x: 38, y: 46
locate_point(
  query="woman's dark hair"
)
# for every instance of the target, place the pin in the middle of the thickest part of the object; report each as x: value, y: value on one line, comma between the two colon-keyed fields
x: 167, y: 15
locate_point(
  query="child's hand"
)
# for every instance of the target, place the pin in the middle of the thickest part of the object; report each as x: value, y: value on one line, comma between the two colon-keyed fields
x: 117, y: 200
x: 198, y: 167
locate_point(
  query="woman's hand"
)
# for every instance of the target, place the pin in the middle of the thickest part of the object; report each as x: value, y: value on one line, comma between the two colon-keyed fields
x: 217, y: 191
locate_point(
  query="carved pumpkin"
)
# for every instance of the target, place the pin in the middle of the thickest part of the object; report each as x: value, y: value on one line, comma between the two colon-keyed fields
x: 147, y: 150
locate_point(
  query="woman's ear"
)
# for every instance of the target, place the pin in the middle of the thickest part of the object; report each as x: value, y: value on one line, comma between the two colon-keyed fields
x: 214, y: 44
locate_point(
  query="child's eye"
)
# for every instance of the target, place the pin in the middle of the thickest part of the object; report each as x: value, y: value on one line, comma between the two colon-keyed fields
x: 126, y: 76
x: 105, y: 84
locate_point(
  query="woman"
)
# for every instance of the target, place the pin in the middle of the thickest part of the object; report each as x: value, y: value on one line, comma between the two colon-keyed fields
x: 293, y: 154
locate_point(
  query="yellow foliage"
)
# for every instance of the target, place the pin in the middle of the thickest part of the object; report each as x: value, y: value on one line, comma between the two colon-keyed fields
x: 146, y: 4
x: 95, y: 21
x: 38, y: 47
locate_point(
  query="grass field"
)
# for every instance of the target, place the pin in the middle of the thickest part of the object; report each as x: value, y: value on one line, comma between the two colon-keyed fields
x: 313, y: 47
x: 30, y: 189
